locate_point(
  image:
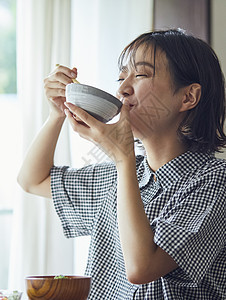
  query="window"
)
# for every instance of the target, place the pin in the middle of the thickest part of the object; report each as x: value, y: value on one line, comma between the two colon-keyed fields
x: 10, y: 134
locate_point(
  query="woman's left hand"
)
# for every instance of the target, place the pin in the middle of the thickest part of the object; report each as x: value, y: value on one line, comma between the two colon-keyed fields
x: 116, y: 140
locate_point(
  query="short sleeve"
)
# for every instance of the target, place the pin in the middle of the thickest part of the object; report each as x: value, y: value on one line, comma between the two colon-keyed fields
x: 78, y: 194
x: 191, y: 226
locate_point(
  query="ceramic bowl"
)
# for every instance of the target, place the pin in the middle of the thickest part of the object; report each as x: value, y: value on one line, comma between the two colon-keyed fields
x: 48, y: 287
x: 98, y: 103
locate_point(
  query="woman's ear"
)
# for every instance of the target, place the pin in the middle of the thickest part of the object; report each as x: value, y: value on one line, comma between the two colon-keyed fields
x: 192, y: 95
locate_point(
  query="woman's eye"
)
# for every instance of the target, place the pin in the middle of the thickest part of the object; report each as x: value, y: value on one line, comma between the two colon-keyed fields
x: 141, y: 75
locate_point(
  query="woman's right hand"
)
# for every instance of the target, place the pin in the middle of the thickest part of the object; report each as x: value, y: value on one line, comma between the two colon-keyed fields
x: 55, y: 85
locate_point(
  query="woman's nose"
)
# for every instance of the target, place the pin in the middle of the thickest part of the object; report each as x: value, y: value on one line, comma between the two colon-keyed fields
x: 125, y: 89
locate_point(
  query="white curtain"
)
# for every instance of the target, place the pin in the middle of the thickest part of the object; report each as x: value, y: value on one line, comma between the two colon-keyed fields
x: 44, y: 34
x: 100, y: 30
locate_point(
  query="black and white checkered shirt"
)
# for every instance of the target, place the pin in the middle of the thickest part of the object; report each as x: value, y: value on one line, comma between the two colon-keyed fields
x: 186, y: 209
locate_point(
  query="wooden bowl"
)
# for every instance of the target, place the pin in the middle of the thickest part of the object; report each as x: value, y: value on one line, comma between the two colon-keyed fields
x: 47, y: 287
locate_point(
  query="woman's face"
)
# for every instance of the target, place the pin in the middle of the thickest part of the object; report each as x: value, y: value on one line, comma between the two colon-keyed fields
x: 148, y: 87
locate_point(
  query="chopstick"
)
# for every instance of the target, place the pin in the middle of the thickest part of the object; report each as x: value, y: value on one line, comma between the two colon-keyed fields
x: 75, y: 80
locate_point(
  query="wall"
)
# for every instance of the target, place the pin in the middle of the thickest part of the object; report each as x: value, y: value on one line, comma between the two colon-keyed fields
x: 218, y: 36
x: 191, y: 15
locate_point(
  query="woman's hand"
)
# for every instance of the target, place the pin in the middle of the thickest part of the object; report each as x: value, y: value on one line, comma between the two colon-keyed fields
x: 116, y: 140
x: 55, y: 85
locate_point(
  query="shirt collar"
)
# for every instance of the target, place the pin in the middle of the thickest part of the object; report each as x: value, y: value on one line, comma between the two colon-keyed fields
x: 179, y: 166
x: 171, y: 171
x: 144, y: 173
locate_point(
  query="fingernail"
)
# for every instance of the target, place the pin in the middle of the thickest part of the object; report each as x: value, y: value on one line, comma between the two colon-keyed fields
x: 73, y: 74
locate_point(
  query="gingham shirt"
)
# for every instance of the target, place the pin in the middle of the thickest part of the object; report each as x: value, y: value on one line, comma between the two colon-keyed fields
x: 186, y: 209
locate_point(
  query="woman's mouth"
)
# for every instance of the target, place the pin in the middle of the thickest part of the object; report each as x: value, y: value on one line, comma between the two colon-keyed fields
x: 127, y: 102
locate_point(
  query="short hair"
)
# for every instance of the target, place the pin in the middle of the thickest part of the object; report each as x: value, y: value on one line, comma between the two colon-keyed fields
x: 191, y: 60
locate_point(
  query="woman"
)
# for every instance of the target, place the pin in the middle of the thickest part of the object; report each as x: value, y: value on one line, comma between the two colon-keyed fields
x: 156, y: 221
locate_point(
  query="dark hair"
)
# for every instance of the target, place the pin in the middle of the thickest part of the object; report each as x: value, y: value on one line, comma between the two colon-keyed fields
x: 191, y: 60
